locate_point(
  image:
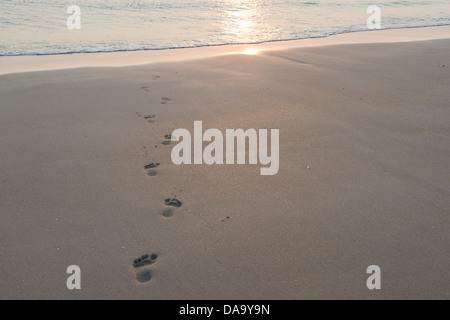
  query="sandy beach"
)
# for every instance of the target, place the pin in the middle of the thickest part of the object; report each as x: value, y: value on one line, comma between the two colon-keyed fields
x: 364, y: 173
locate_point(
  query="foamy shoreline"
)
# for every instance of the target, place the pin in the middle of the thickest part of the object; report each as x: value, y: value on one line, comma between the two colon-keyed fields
x: 15, y: 64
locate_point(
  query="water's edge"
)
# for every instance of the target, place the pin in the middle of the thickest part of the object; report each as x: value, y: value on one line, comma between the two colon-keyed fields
x: 216, y: 45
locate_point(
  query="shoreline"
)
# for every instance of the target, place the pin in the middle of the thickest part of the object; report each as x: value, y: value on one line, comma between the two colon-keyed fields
x: 31, y: 63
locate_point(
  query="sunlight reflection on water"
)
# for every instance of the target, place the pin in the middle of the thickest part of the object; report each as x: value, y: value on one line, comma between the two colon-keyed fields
x: 39, y: 26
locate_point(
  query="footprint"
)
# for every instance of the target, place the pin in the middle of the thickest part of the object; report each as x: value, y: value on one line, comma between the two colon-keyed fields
x: 168, y: 140
x: 165, y: 100
x: 173, y: 202
x: 144, y: 276
x: 145, y: 88
x: 150, y: 118
x: 168, y: 213
x: 145, y: 260
x: 150, y: 168
x: 156, y: 77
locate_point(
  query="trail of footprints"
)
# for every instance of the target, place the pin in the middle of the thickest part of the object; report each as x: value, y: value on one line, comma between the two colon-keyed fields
x: 143, y: 273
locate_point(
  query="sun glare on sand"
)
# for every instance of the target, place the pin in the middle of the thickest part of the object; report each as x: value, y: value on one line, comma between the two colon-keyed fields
x: 250, y: 51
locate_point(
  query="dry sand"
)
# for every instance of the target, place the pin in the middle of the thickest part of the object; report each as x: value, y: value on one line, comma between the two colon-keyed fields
x: 364, y: 177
